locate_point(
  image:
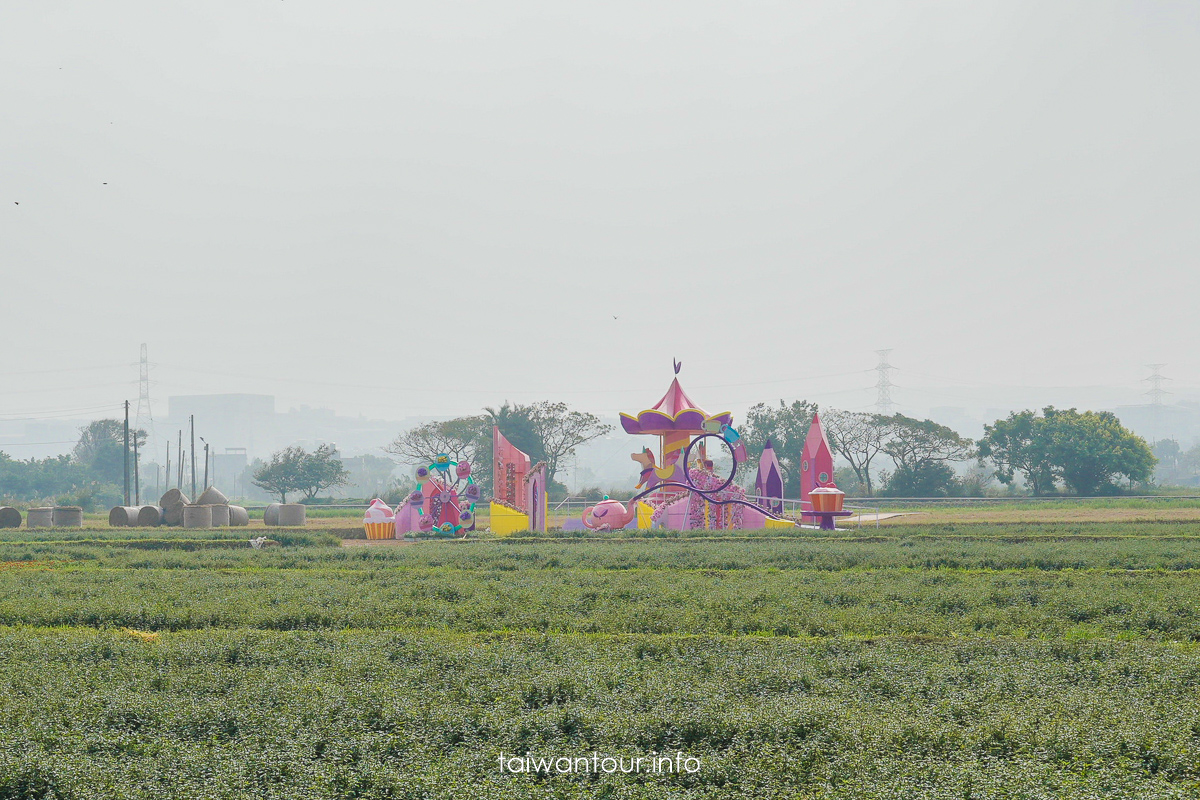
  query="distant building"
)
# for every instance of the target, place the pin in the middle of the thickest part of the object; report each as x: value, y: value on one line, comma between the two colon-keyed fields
x: 247, y: 426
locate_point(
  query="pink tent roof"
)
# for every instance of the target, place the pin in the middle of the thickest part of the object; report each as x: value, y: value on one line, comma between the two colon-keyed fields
x: 676, y: 400
x: 674, y: 413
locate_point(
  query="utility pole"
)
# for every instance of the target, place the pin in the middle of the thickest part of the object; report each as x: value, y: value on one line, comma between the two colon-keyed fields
x: 126, y: 452
x: 168, y: 467
x: 205, y: 463
x: 179, y: 466
x: 883, y: 386
x: 192, y: 451
x: 137, y: 481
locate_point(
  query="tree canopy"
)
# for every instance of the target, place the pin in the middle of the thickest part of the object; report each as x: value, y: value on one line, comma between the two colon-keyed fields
x: 101, y: 449
x: 1016, y: 445
x: 787, y: 428
x: 294, y: 469
x: 1087, y: 451
x: 858, y: 438
x: 921, y: 451
x: 463, y: 439
x: 547, y: 431
x: 91, y: 476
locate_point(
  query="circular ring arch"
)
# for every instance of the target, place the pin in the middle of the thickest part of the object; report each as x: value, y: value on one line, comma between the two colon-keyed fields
x: 687, y: 462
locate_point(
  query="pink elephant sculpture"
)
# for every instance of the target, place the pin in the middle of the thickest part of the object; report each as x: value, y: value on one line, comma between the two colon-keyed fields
x: 609, y: 515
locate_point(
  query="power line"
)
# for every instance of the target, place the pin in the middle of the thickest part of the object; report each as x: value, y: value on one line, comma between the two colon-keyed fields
x: 375, y: 387
x: 75, y: 389
x: 883, y: 386
x: 55, y: 413
x: 64, y: 369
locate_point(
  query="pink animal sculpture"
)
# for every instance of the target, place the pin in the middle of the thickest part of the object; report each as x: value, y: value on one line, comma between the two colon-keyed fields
x: 608, y: 515
x: 652, y: 474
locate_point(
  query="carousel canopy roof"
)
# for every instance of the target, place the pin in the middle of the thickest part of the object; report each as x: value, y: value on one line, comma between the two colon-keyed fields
x: 674, y: 413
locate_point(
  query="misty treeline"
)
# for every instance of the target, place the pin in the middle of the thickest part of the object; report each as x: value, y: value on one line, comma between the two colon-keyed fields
x: 1033, y: 452
x: 92, y: 475
x: 1046, y: 452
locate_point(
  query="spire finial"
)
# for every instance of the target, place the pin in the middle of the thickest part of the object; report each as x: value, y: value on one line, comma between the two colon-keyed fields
x: 677, y: 364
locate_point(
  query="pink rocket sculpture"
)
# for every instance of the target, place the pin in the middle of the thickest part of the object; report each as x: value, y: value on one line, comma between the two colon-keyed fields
x: 816, y: 464
x: 510, y: 468
x: 769, y: 482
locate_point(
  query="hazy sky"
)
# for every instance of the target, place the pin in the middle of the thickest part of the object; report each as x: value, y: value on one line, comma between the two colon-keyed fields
x: 423, y: 208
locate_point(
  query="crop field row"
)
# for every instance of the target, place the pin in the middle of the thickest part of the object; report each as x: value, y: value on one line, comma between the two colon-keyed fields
x: 372, y: 714
x: 937, y: 661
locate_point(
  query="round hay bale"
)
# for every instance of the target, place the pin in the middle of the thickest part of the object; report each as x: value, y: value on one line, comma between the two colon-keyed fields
x: 238, y: 516
x: 121, y: 516
x: 9, y: 517
x: 212, y: 496
x: 173, y: 515
x: 173, y: 497
x: 271, y: 515
x: 291, y: 515
x: 196, y: 516
x: 40, y: 518
x: 67, y: 517
x: 149, y: 517
x: 220, y: 515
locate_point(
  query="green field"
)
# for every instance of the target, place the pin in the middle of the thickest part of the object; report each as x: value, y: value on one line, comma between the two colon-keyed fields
x: 954, y: 660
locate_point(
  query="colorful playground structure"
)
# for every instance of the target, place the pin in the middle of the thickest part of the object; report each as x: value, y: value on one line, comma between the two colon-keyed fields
x: 520, y: 502
x: 443, y: 503
x: 687, y: 483
x: 687, y: 487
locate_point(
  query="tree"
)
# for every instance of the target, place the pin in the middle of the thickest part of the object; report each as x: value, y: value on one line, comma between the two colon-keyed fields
x: 1018, y: 444
x: 787, y: 428
x: 1085, y: 450
x: 911, y: 442
x: 546, y: 431
x: 463, y: 439
x: 1172, y: 469
x: 293, y: 469
x: 1189, y: 465
x: 560, y: 430
x: 858, y: 438
x: 516, y: 424
x: 921, y: 450
x: 1089, y: 449
x: 38, y: 479
x: 922, y: 479
x: 369, y: 475
x: 101, y: 449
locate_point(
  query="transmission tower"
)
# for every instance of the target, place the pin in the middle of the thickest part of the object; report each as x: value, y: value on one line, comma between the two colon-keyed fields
x: 1156, y: 381
x: 145, y: 417
x: 1156, y: 398
x: 883, y: 386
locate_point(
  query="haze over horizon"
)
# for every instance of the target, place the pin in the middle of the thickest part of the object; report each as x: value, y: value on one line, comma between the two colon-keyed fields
x: 423, y: 209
